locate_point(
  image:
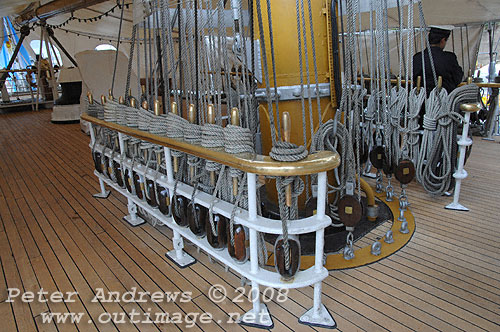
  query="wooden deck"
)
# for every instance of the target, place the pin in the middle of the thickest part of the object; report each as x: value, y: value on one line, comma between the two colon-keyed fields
x: 55, y: 236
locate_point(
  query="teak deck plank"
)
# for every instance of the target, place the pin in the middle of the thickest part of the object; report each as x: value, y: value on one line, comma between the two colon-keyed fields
x: 55, y: 235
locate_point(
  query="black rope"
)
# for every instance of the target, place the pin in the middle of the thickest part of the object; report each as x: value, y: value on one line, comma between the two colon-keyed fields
x: 117, y: 47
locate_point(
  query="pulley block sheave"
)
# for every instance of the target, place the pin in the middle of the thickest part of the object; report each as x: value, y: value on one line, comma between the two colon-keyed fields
x: 350, y: 210
x: 219, y: 239
x: 377, y: 157
x: 405, y: 171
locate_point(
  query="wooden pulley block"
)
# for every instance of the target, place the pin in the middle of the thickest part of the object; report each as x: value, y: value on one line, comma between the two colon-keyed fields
x: 196, y: 218
x: 138, y: 185
x: 239, y: 252
x: 129, y: 182
x: 350, y: 211
x: 118, y: 173
x: 150, y: 193
x: 163, y: 199
x: 294, y: 255
x: 97, y: 156
x: 405, y: 171
x: 179, y: 208
x: 217, y: 241
x: 106, y: 167
x: 377, y: 157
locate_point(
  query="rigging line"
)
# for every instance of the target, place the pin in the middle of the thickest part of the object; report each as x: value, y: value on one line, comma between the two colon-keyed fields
x: 204, y: 77
x: 245, y: 76
x: 190, y: 52
x: 453, y: 40
x: 308, y: 73
x: 498, y: 41
x: 462, y: 43
x: 366, y: 51
x: 151, y: 78
x: 253, y: 82
x: 386, y: 29
x: 469, y: 73
x: 271, y: 38
x: 359, y: 54
x: 129, y: 68
x: 402, y: 63
x: 196, y: 61
x: 266, y: 72
x: 342, y: 34
x: 181, y: 63
x: 165, y: 53
x: 214, y: 63
x: 219, y: 79
x: 426, y: 40
x: 117, y: 47
x: 139, y: 91
x: 146, y: 66
x: 157, y: 61
x: 415, y: 44
x: 175, y: 64
x: 224, y: 55
x: 361, y: 62
x: 316, y: 79
x: 301, y: 73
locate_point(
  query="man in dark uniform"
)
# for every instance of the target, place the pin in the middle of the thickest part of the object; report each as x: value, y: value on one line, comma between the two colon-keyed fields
x: 445, y: 63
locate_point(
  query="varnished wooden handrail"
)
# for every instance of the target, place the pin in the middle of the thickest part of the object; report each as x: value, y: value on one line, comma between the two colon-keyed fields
x: 251, y: 163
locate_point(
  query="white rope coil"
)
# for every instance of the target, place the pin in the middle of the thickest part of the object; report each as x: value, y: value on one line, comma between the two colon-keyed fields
x: 212, y: 136
x: 131, y: 115
x: 284, y: 151
x: 237, y: 140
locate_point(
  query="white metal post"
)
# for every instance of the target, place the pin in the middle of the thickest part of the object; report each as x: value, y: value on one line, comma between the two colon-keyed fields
x: 121, y: 142
x: 461, y: 173
x: 318, y: 315
x: 168, y: 164
x: 92, y: 134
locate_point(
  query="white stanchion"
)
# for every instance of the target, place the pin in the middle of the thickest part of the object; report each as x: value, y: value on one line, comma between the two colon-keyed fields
x: 463, y: 142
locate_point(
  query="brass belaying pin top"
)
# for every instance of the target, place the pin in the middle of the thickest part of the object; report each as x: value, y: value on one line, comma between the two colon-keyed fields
x: 133, y: 102
x: 287, y: 126
x: 103, y: 99
x: 145, y: 104
x: 191, y: 113
x: 469, y: 108
x: 121, y: 100
x: 440, y: 83
x: 90, y: 98
x: 235, y: 116
x: 110, y: 94
x: 174, y: 108
x: 157, y: 107
x: 235, y: 121
x: 419, y: 84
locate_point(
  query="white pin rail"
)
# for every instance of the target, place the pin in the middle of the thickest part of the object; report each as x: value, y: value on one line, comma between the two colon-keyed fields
x: 253, y: 165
